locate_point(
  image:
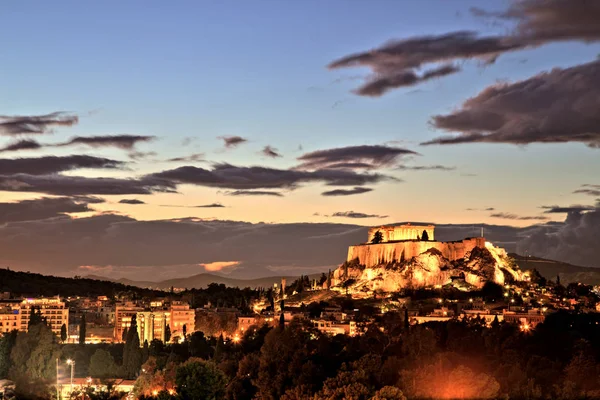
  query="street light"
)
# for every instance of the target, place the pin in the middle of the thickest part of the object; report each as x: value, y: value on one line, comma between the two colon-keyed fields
x: 72, y: 364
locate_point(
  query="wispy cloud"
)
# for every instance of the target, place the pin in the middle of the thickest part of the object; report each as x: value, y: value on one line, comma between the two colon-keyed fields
x: 253, y: 193
x: 354, y: 214
x: 35, y: 124
x: 504, y: 215
x: 270, y: 152
x: 232, y: 141
x: 190, y: 158
x: 354, y: 157
x: 347, y: 192
x: 131, y: 201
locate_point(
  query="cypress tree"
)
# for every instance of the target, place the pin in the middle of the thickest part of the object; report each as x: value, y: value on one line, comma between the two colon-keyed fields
x: 82, y: 330
x: 282, y: 316
x: 63, y: 333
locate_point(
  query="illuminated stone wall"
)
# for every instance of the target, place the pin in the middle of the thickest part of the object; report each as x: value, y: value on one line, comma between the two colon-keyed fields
x: 371, y: 255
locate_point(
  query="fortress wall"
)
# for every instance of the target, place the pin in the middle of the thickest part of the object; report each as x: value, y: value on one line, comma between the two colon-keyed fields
x: 374, y: 254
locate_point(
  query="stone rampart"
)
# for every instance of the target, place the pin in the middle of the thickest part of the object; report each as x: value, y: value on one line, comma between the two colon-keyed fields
x: 371, y: 255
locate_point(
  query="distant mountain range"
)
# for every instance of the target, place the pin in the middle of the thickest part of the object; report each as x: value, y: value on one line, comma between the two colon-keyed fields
x: 200, y: 281
x: 549, y: 269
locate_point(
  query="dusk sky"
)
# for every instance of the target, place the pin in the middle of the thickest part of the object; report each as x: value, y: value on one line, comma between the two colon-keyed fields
x: 279, y: 112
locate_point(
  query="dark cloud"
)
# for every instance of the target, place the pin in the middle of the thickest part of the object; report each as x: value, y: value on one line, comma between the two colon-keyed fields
x: 25, y: 144
x: 396, y: 64
x: 378, y: 85
x: 270, y: 152
x: 35, y: 124
x: 191, y: 158
x: 253, y: 193
x: 591, y: 190
x: 131, y: 201
x: 61, y: 185
x: 354, y: 157
x: 481, y: 209
x: 566, y: 210
x: 347, y: 192
x: 125, y: 142
x: 505, y: 215
x: 212, y: 205
x: 140, y: 155
x: 554, y: 107
x: 54, y: 164
x: 425, y: 168
x: 45, y: 207
x: 138, y: 248
x: 228, y: 176
x: 233, y: 141
x: 577, y: 241
x: 544, y: 21
x: 353, y: 214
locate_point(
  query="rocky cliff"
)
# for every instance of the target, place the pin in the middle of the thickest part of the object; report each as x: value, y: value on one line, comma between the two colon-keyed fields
x: 429, y: 268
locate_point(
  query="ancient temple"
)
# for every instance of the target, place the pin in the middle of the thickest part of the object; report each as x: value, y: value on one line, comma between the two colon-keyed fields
x: 396, y: 233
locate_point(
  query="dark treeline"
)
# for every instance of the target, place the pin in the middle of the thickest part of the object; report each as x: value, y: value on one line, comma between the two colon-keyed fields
x: 454, y: 359
x: 30, y: 284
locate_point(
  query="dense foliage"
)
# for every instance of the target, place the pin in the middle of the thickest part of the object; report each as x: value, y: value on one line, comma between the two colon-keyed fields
x: 30, y: 284
x: 454, y: 359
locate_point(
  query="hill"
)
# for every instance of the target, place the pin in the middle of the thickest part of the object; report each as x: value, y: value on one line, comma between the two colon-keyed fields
x: 549, y: 269
x: 29, y: 284
x: 202, y: 280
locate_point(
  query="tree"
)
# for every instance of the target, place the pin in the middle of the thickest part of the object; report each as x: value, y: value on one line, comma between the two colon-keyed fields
x: 377, y: 238
x: 35, y: 318
x: 199, y: 379
x: 219, y: 348
x: 102, y: 364
x: 388, y: 393
x: 7, y: 342
x: 425, y: 236
x: 132, y: 353
x: 82, y: 329
x: 184, y: 330
x: 33, y: 360
x: 124, y: 335
x: 63, y: 333
x: 282, y: 316
x: 167, y: 333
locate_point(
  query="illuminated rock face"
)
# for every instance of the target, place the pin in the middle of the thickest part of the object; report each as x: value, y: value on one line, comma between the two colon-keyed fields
x: 371, y: 255
x: 389, y: 267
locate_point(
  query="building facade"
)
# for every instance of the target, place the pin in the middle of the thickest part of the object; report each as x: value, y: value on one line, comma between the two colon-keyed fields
x: 124, y: 313
x: 53, y: 309
x: 181, y: 315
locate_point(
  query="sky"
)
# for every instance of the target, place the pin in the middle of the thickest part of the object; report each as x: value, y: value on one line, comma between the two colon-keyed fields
x: 349, y: 112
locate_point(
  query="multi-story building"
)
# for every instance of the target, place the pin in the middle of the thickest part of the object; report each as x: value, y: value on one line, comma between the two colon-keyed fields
x: 124, y: 313
x: 181, y: 315
x: 53, y: 309
x: 10, y: 317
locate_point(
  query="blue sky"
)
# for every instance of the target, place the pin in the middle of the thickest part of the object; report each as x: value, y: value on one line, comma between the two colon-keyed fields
x: 205, y: 69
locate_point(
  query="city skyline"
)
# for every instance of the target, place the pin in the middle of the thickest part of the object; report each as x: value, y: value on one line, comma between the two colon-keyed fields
x: 147, y: 121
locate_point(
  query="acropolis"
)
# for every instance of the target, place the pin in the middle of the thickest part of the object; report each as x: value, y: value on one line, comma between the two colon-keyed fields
x: 394, y: 233
x: 406, y: 241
